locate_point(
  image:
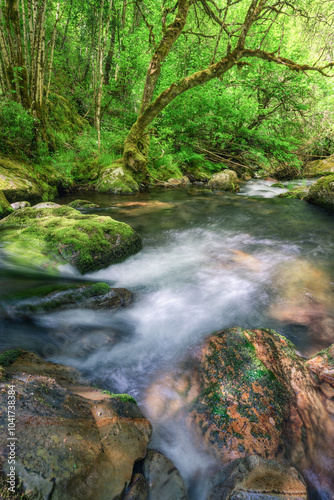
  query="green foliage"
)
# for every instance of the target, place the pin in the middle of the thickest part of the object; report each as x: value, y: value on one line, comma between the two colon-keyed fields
x: 16, y: 128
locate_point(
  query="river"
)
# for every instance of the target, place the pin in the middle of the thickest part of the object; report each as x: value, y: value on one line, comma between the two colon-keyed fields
x: 208, y: 262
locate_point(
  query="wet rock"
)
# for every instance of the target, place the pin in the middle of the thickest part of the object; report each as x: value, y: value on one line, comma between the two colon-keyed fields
x: 163, y: 479
x: 116, y: 179
x: 69, y: 447
x: 322, y: 192
x: 184, y: 181
x: 20, y: 204
x: 255, y: 478
x: 143, y: 207
x: 43, y: 300
x: 83, y: 204
x: 138, y: 489
x: 322, y: 364
x: 299, y: 192
x: 258, y: 397
x: 319, y: 167
x: 224, y: 181
x: 49, y: 237
x: 5, y: 206
x: 278, y: 185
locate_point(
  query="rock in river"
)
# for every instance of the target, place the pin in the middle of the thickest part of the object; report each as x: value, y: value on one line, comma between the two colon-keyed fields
x: 49, y: 237
x: 69, y: 447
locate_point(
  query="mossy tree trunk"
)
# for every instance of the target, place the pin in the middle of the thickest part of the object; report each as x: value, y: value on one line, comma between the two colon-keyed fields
x: 258, y: 13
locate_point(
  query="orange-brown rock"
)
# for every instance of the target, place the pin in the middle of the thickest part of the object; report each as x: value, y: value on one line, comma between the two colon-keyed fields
x: 258, y: 397
x: 69, y: 447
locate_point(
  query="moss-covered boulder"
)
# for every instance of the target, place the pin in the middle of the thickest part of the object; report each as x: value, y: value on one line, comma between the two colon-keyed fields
x: 322, y: 192
x: 73, y: 442
x: 116, y: 179
x: 298, y: 192
x: 319, y: 167
x: 5, y: 206
x: 47, y: 299
x: 23, y: 181
x: 78, y: 204
x: 224, y: 181
x: 48, y: 237
x: 247, y: 392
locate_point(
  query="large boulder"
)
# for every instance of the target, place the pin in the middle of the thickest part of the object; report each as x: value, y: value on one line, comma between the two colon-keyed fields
x: 322, y: 192
x: 46, y: 299
x: 116, y: 179
x: 247, y: 392
x: 322, y: 364
x: 255, y: 478
x: 69, y: 447
x: 48, y: 237
x: 319, y: 167
x: 5, y: 206
x: 224, y: 181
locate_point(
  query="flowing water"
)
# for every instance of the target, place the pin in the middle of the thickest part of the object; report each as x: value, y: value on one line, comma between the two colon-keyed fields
x: 208, y: 262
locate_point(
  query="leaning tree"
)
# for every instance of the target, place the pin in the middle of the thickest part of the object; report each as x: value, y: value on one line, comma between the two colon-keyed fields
x: 242, y: 31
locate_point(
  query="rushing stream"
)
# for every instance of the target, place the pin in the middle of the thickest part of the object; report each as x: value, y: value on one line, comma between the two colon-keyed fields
x: 209, y: 262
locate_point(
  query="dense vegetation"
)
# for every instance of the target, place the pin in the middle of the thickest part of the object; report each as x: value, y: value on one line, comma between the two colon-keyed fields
x: 169, y: 87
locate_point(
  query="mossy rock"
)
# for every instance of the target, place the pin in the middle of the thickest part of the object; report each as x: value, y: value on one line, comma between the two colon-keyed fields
x: 116, y: 179
x: 257, y: 396
x: 320, y: 167
x: 83, y: 204
x: 224, y: 181
x: 278, y: 185
x: 49, y: 237
x: 5, y: 206
x: 299, y: 192
x: 47, y: 299
x: 20, y: 204
x: 9, y: 357
x: 322, y: 192
x: 19, y: 180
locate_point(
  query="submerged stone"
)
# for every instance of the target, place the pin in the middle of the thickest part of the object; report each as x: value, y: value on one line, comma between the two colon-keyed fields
x: 49, y: 237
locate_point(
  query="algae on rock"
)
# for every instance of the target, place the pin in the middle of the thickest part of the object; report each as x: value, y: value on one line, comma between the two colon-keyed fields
x: 116, y: 179
x: 322, y: 192
x: 49, y: 237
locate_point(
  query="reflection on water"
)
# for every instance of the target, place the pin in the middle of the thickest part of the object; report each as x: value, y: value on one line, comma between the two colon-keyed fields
x: 208, y: 262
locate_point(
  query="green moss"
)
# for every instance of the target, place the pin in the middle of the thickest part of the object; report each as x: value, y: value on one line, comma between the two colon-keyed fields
x: 83, y: 204
x: 299, y: 192
x: 322, y: 192
x: 126, y: 398
x: 9, y: 357
x: 51, y: 236
x: 278, y: 185
x: 327, y: 354
x: 116, y: 179
x: 5, y: 208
